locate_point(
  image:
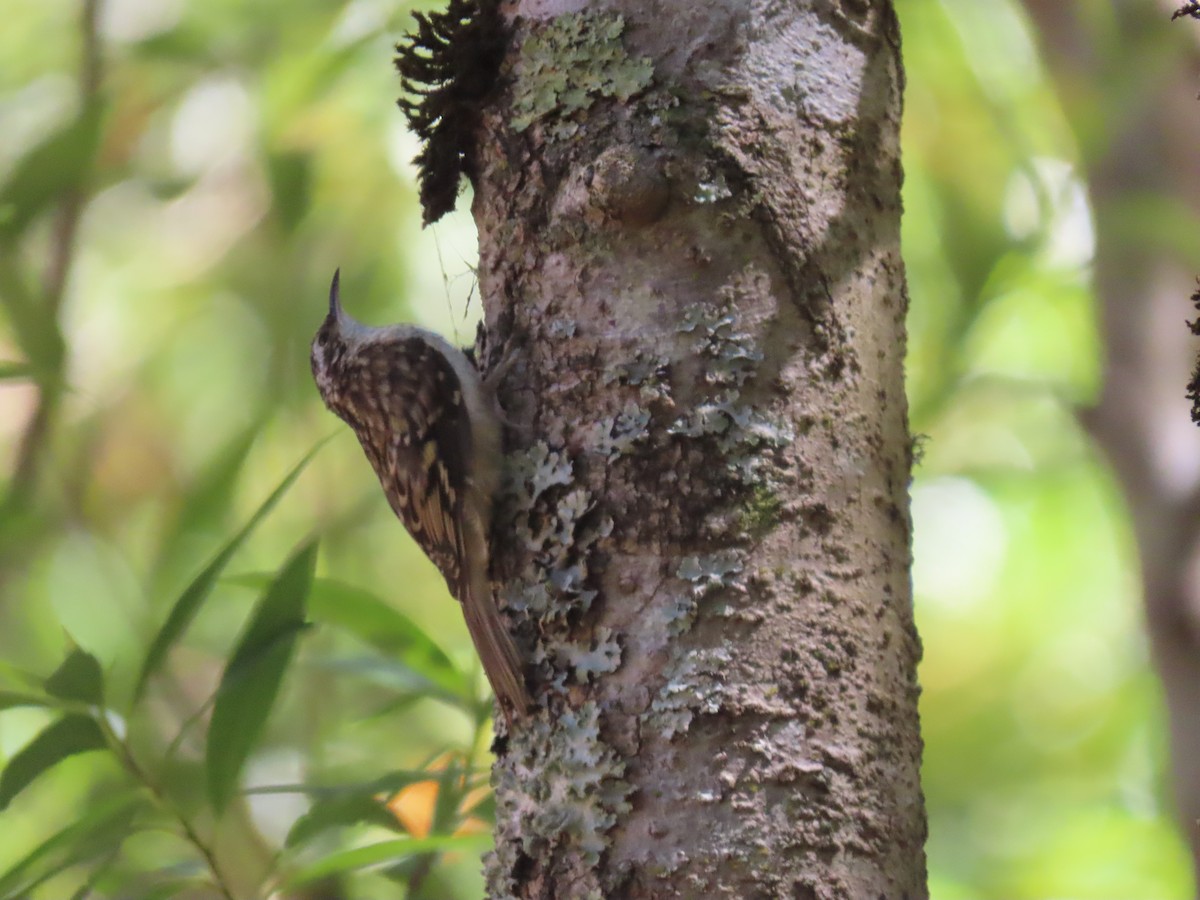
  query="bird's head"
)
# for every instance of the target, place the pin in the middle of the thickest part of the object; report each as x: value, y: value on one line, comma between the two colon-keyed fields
x: 339, y: 337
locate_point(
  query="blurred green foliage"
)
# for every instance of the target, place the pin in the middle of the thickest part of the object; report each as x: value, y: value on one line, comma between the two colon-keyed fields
x: 1045, y: 760
x: 219, y: 160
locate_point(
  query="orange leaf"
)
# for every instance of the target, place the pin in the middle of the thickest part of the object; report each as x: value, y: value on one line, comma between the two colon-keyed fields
x: 413, y: 807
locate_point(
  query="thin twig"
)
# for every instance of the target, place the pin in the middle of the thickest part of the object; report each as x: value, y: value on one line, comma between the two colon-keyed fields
x: 129, y: 762
x: 31, y: 447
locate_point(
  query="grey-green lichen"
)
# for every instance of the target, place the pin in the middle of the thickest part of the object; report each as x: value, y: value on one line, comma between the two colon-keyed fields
x: 602, y: 655
x: 693, y: 686
x: 712, y: 189
x: 531, y: 473
x: 727, y: 417
x: 552, y: 520
x: 647, y: 373
x: 613, y: 436
x: 711, y: 572
x: 564, y: 785
x: 566, y: 65
x: 561, y: 328
x: 731, y: 353
x: 693, y: 683
x: 740, y: 432
x: 705, y: 575
x: 560, y: 787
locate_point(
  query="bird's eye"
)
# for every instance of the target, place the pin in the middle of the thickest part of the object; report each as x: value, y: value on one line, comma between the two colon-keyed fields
x: 318, y: 351
x: 323, y: 337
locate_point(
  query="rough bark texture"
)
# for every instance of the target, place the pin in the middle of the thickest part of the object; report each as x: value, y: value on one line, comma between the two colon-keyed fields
x: 689, y: 254
x: 1143, y: 282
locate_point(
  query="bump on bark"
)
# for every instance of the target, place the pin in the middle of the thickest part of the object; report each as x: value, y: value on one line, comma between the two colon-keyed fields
x: 447, y: 67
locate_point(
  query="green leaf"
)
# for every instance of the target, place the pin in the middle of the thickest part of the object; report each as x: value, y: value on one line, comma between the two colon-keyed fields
x: 70, y: 735
x: 13, y: 371
x: 189, y: 602
x: 485, y: 809
x: 449, y: 795
x: 371, y: 620
x: 254, y: 672
x: 28, y: 690
x: 402, y: 684
x: 376, y: 623
x: 101, y: 824
x: 340, y: 812
x: 168, y: 889
x: 205, y: 500
x: 384, y: 784
x: 190, y: 875
x: 15, y: 675
x: 37, y: 331
x: 290, y: 175
x: 78, y: 678
x: 58, y: 164
x: 13, y: 699
x: 385, y: 852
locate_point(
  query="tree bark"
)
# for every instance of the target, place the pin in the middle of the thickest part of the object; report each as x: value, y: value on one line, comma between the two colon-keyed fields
x: 689, y: 257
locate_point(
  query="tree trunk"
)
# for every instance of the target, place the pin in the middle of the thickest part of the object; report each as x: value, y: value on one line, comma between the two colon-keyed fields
x: 689, y: 255
x: 1143, y: 281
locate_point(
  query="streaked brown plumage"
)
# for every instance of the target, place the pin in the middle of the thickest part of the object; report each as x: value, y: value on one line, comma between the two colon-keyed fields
x: 426, y: 423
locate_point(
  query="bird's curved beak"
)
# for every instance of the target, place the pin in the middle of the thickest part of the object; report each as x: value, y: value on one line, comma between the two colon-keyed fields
x: 335, y: 303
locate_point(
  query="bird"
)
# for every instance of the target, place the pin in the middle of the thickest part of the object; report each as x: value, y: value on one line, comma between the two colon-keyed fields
x: 430, y: 428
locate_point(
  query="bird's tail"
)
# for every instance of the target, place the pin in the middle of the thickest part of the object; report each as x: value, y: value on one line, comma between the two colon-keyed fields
x: 497, y: 652
x: 493, y: 643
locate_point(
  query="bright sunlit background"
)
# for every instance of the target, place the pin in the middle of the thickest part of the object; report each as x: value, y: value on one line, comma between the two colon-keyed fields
x: 245, y: 150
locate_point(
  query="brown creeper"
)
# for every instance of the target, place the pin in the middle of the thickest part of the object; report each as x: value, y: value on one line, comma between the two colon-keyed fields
x: 428, y: 425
